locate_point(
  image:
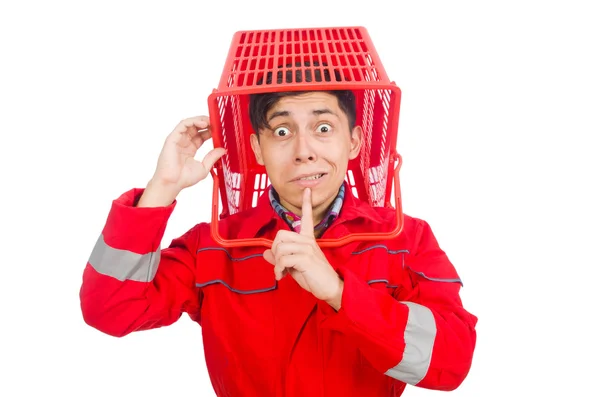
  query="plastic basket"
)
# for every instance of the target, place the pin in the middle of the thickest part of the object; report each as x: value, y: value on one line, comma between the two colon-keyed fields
x: 349, y: 57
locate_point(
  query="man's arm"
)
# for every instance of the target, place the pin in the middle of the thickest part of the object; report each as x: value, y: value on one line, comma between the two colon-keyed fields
x: 129, y: 283
x: 428, y: 338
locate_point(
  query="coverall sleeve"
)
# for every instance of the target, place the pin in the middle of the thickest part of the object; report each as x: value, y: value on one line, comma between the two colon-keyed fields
x: 129, y: 283
x: 426, y: 339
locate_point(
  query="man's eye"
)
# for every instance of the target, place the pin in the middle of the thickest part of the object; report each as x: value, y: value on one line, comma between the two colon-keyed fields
x: 281, y: 131
x: 323, y: 128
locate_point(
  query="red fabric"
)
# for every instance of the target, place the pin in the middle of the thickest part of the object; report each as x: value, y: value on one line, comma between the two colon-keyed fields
x: 268, y: 338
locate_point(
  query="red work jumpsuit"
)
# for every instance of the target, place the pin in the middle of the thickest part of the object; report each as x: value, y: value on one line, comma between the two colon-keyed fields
x: 401, y: 320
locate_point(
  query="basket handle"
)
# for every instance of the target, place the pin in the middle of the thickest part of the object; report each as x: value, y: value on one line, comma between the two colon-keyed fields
x: 323, y: 243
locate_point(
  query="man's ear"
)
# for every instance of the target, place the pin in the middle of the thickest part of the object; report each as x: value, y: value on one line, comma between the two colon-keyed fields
x: 256, y: 149
x: 356, y: 137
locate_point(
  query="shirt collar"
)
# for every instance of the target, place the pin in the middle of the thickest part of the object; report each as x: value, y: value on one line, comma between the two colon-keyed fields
x: 294, y: 221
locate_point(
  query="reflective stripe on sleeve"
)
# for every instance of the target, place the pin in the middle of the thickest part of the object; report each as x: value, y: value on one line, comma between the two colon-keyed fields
x: 419, y: 337
x: 122, y: 264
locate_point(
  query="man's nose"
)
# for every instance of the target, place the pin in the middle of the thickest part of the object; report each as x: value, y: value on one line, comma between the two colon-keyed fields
x: 304, y: 148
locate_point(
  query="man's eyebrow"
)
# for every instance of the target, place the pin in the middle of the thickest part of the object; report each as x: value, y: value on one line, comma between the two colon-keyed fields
x: 281, y: 113
x: 318, y: 112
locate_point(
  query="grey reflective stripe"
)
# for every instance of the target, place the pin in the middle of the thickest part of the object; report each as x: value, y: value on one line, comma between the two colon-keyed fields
x: 419, y: 337
x: 124, y: 265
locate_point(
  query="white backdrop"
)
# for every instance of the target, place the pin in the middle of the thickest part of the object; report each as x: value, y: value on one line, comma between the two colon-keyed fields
x: 499, y: 109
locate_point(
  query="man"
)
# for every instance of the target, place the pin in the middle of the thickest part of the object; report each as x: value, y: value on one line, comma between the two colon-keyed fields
x: 363, y: 320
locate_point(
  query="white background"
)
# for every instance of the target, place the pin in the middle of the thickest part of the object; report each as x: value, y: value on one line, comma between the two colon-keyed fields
x: 498, y: 130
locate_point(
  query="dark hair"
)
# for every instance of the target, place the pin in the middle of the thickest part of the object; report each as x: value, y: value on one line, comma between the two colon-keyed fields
x: 260, y: 104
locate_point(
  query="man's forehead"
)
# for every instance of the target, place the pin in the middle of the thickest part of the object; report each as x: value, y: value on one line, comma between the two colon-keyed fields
x: 313, y: 102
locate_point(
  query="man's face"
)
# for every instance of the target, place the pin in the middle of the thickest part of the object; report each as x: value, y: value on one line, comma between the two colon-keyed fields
x: 309, y: 145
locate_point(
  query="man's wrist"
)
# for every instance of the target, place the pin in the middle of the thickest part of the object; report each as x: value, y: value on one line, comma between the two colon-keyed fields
x: 156, y: 195
x: 336, y: 300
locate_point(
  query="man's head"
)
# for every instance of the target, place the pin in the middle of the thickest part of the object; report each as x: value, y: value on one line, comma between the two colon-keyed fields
x: 305, y: 139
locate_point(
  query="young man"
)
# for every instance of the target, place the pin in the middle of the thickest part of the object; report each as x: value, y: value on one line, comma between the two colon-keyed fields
x: 362, y: 320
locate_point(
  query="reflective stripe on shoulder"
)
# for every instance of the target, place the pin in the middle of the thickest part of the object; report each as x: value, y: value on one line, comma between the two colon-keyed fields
x: 122, y: 264
x: 419, y: 337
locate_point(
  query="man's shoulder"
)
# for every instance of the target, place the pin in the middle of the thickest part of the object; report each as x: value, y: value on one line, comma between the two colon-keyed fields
x: 231, y: 226
x: 389, y: 215
x: 412, y: 227
x: 241, y: 216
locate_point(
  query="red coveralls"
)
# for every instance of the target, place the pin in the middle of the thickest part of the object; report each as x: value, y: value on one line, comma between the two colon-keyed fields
x: 401, y: 319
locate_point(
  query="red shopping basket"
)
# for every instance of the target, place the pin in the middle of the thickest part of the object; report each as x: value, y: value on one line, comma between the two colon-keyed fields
x: 333, y: 58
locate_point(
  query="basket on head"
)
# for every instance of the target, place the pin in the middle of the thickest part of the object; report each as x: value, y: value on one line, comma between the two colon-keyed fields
x: 340, y: 58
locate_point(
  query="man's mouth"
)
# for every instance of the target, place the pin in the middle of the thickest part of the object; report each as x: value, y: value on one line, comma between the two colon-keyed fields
x: 310, y: 177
